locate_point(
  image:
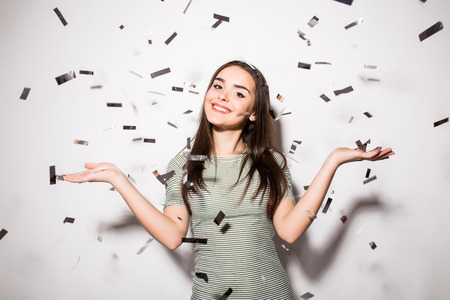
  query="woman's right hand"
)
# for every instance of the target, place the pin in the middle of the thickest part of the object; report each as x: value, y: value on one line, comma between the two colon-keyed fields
x: 95, y: 172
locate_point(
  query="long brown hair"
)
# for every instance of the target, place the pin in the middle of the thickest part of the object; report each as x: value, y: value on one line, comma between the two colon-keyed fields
x: 257, y: 135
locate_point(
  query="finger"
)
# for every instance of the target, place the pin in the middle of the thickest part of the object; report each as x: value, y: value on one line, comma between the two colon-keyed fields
x: 91, y: 165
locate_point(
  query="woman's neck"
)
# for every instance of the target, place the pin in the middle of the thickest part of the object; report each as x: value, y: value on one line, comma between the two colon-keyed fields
x: 227, y: 143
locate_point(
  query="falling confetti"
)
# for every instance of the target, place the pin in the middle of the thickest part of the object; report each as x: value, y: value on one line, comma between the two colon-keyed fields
x: 327, y: 205
x: 219, y: 218
x: 343, y: 91
x: 81, y: 142
x: 170, y: 39
x: 52, y: 175
x: 369, y: 179
x: 129, y: 127
x: 65, y: 77
x: 313, y: 22
x: 344, y: 219
x: 25, y: 93
x: 430, y: 31
x: 145, y: 246
x: 69, y: 220
x: 294, y: 145
x: 3, y: 232
x: 373, y: 245
x: 85, y: 72
x: 60, y: 16
x: 112, y: 104
x: 440, y: 122
x: 164, y: 177
x: 325, y: 98
x: 368, y: 173
x: 227, y: 293
x: 203, y: 276
x: 357, y: 22
x: 307, y: 296
x: 194, y: 240
x: 160, y: 72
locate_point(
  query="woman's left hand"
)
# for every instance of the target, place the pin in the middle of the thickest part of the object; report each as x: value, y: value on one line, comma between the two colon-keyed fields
x: 345, y: 155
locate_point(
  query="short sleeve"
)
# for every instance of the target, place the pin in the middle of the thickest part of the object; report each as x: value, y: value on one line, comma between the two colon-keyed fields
x: 173, y: 184
x: 281, y: 160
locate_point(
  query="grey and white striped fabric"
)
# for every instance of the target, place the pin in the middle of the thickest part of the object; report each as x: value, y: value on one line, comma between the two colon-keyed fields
x: 240, y: 253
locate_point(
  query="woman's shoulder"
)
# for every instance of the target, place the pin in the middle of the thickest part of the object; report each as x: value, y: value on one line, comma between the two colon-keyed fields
x: 278, y: 156
x: 179, y: 160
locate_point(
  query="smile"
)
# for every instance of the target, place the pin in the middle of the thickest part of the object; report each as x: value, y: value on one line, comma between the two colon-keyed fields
x: 221, y: 109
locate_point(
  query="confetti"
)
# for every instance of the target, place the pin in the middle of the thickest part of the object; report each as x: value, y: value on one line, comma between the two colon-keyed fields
x: 187, y: 112
x: 146, y: 140
x: 3, y: 232
x: 129, y: 127
x: 225, y: 227
x: 227, y: 293
x: 164, y: 177
x: 150, y: 42
x: 325, y: 98
x: 307, y: 296
x: 172, y: 124
x: 60, y: 16
x: 367, y: 114
x: 219, y: 218
x: 60, y: 177
x: 322, y: 63
x: 136, y: 74
x: 369, y: 179
x: 370, y: 66
x: 160, y: 72
x: 85, y: 72
x: 303, y: 37
x: 100, y: 239
x: 188, y: 142
x: 202, y: 276
x: 373, y: 245
x: 280, y: 98
x: 194, y: 240
x: 197, y: 157
x: 185, y: 180
x: 313, y: 22
x: 187, y: 6
x: 430, y: 31
x: 112, y: 104
x: 215, y: 25
x: 294, y: 145
x: 221, y: 18
x: 348, y: 2
x: 177, y: 89
x: 368, y: 173
x: 360, y: 145
x: 357, y: 22
x: 25, y: 93
x: 52, y: 175
x: 344, y: 219
x: 440, y: 122
x: 343, y: 91
x: 327, y: 205
x: 69, y: 220
x: 96, y: 87
x: 305, y: 187
x: 121, y: 27
x: 145, y: 246
x: 170, y: 39
x: 65, y: 77
x: 131, y: 179
x: 80, y: 142
x: 304, y: 66
x: 351, y: 119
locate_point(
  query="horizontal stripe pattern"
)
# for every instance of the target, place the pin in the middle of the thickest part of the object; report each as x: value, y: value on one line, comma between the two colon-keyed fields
x: 243, y: 257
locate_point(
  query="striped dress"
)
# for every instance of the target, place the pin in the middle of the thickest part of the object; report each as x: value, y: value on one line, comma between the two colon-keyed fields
x: 240, y: 253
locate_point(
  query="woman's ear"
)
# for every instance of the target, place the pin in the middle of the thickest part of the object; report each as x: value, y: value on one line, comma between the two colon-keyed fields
x: 252, y: 117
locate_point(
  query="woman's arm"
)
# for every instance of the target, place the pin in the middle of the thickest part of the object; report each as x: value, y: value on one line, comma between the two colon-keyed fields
x: 290, y: 221
x: 168, y: 227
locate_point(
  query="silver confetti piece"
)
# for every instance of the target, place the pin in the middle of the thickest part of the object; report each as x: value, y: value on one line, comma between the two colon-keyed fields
x: 325, y: 98
x: 304, y: 66
x: 313, y: 22
x: 177, y: 89
x: 327, y: 205
x: 187, y: 6
x: 343, y: 91
x: 145, y: 246
x: 85, y: 72
x: 357, y: 22
x: 65, y: 77
x: 221, y: 18
x: 136, y: 74
x: 307, y: 296
x: 160, y: 72
x: 373, y: 245
x: 197, y: 157
x: 170, y: 39
x: 369, y: 179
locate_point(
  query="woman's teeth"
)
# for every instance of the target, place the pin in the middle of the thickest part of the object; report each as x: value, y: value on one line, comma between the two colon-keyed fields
x: 221, y: 109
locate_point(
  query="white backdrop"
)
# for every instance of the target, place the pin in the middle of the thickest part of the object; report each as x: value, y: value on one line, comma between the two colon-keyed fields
x: 404, y: 211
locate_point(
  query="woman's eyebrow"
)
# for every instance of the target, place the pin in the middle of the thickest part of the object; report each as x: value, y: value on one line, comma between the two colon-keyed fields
x: 235, y: 85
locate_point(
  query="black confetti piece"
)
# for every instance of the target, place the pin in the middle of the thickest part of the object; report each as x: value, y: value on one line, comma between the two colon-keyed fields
x: 52, y: 175
x: 81, y: 142
x: 164, y: 177
x: 171, y: 124
x: 160, y: 72
x: 368, y: 172
x: 357, y: 22
x: 121, y: 27
x: 351, y: 119
x: 369, y: 179
x: 325, y: 98
x: 194, y: 240
x: 430, y: 31
x: 203, y: 276
x: 327, y: 205
x: 187, y: 112
x: 177, y: 89
x: 25, y: 93
x: 96, y: 87
x: 131, y: 179
x: 304, y: 66
x: 294, y: 145
x: 305, y: 187
x: 225, y: 228
x: 360, y: 145
x: 280, y: 98
x: 129, y: 127
x: 221, y: 18
x: 370, y: 66
x: 344, y: 219
x: 3, y: 232
x: 187, y: 6
x: 149, y: 140
x: 219, y: 218
x: 367, y: 114
x: 170, y: 39
x: 65, y: 77
x: 440, y: 122
x: 188, y: 142
x: 150, y: 42
x: 322, y: 63
x: 348, y: 2
x: 69, y: 220
x: 85, y: 72
x: 60, y: 16
x: 227, y: 293
x: 343, y: 91
x: 113, y: 104
x: 307, y: 296
x: 215, y: 25
x: 373, y: 245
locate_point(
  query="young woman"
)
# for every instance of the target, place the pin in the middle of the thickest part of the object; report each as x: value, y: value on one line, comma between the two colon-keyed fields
x: 234, y: 189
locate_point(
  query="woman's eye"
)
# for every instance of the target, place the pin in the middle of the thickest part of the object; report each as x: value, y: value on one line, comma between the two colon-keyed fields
x: 240, y: 95
x: 217, y: 86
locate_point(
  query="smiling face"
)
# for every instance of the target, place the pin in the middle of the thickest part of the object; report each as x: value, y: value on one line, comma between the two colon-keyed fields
x: 230, y: 100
